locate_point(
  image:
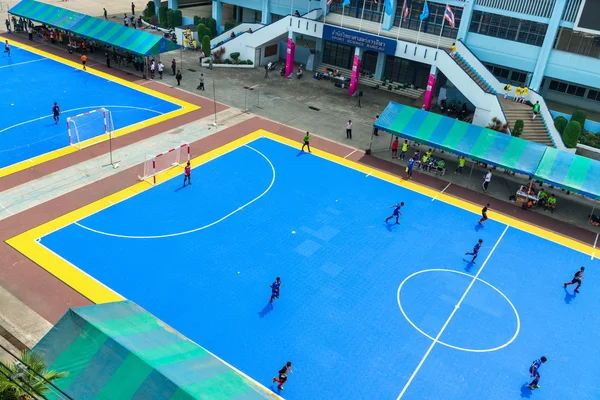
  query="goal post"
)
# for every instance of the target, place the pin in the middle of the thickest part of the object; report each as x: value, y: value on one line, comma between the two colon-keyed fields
x: 89, y: 125
x: 155, y: 164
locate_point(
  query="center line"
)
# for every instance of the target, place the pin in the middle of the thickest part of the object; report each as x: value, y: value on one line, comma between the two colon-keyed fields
x: 21, y: 63
x: 354, y: 151
x: 456, y: 307
x: 443, y: 190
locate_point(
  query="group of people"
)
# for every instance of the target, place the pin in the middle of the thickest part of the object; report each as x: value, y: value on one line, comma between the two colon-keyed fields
x: 189, y: 42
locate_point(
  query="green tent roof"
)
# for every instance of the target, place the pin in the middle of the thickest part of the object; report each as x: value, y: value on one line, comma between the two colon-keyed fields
x: 571, y: 172
x: 461, y: 138
x: 120, y: 351
x: 132, y: 40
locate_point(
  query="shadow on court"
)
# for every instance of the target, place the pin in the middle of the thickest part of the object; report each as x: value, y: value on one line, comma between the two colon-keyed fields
x: 469, y: 265
x: 569, y: 297
x: 525, y: 391
x: 268, y: 308
x: 478, y: 227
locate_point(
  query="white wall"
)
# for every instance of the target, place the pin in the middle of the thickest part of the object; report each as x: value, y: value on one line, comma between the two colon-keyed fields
x: 502, y: 52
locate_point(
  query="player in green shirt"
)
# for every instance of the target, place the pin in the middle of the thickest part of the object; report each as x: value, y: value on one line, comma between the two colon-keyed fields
x: 306, y: 140
x: 550, y: 204
x: 461, y: 165
x: 542, y: 198
x: 536, y: 109
x: 441, y: 167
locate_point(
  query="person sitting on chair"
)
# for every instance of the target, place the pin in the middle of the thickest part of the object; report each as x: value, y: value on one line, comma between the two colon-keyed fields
x: 550, y: 204
x: 542, y: 198
x: 300, y: 72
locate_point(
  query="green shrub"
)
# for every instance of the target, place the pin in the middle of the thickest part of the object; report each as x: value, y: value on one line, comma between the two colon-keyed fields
x: 206, y: 45
x: 227, y: 61
x: 203, y: 31
x: 211, y: 23
x: 162, y: 15
x: 571, y: 134
x: 243, y: 62
x: 150, y: 10
x: 590, y: 139
x: 234, y: 56
x: 579, y: 116
x: 229, y: 25
x: 518, y: 128
x: 249, y: 62
x: 197, y: 20
x: 174, y: 18
x: 560, y: 123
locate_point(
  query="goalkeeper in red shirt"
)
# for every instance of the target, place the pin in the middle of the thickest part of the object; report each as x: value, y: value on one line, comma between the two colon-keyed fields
x: 187, y: 176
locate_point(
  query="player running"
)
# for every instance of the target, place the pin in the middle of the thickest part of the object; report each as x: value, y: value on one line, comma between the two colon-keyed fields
x: 396, y: 213
x: 275, y: 289
x: 56, y: 113
x: 7, y: 48
x: 484, y: 216
x: 187, y: 175
x: 475, y: 252
x: 534, y: 372
x: 283, y: 375
x: 577, y: 278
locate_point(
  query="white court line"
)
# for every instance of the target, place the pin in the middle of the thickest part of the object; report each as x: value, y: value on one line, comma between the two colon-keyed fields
x: 354, y: 151
x: 195, y: 229
x: 443, y: 190
x: 595, y: 243
x: 24, y: 62
x: 6, y: 209
x: 368, y: 175
x: 456, y: 307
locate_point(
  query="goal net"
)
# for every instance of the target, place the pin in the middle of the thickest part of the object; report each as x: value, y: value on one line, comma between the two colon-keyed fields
x: 88, y: 125
x: 155, y: 164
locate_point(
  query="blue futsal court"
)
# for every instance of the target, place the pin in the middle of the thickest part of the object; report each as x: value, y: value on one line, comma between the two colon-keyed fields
x: 368, y: 310
x: 30, y: 85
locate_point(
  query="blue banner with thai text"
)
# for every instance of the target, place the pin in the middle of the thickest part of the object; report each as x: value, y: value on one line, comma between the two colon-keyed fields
x: 359, y: 39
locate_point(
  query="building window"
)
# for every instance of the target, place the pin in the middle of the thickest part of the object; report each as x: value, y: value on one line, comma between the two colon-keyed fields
x: 570, y: 89
x: 594, y: 95
x: 337, y: 54
x: 506, y: 75
x: 406, y: 71
x: 578, y: 43
x: 508, y: 28
x: 431, y: 25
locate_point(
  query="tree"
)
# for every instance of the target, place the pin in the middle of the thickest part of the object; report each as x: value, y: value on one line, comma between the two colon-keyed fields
x: 212, y: 25
x: 518, y: 128
x: 206, y: 45
x: 150, y: 10
x: 571, y: 134
x: 203, y: 31
x: 11, y: 391
x: 579, y: 116
x: 174, y: 18
x: 560, y: 123
x: 162, y: 15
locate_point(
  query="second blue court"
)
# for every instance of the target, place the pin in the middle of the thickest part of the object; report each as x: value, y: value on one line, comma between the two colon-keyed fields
x: 368, y: 310
x: 32, y: 83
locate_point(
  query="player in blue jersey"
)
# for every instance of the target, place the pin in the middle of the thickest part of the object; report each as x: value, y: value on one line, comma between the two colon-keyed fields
x: 275, y: 289
x: 409, y: 167
x: 577, y: 278
x: 534, y: 372
x: 396, y: 213
x: 475, y: 252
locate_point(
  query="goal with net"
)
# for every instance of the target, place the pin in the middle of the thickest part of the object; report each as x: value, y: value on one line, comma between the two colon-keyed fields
x: 155, y: 164
x: 88, y: 125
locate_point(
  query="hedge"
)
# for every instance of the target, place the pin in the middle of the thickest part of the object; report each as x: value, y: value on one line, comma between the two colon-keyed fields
x: 560, y: 123
x: 211, y: 23
x: 162, y: 16
x: 518, y: 128
x: 203, y: 31
x: 571, y: 134
x: 579, y: 116
x: 174, y: 18
x: 206, y: 45
x: 150, y: 10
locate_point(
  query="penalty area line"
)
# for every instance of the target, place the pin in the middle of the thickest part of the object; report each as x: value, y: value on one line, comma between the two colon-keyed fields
x: 456, y: 307
x: 443, y: 190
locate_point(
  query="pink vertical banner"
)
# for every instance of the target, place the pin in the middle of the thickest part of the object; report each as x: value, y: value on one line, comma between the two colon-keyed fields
x: 289, y: 59
x: 429, y: 92
x: 354, y: 77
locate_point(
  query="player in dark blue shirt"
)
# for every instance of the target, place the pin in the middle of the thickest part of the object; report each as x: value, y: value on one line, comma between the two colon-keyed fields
x: 396, y: 213
x: 534, y: 372
x: 475, y: 252
x: 275, y: 289
x: 409, y: 167
x: 577, y: 278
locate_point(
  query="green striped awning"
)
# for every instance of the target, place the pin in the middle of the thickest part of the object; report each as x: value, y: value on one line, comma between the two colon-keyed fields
x: 117, y: 35
x: 120, y: 351
x: 571, y: 172
x: 458, y: 137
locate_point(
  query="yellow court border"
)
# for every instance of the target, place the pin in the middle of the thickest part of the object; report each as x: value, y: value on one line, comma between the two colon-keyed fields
x: 29, y: 245
x: 42, y: 158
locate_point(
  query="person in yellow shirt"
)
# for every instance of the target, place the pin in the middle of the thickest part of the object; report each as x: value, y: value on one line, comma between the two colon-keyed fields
x: 518, y: 91
x: 524, y: 94
x: 194, y: 45
x: 404, y: 149
x: 507, y: 90
x: 186, y: 44
x: 461, y: 165
x: 453, y: 50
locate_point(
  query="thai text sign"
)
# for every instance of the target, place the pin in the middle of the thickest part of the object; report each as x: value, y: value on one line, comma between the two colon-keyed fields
x: 359, y: 39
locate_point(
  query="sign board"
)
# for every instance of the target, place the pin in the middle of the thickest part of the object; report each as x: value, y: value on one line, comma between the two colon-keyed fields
x: 359, y: 39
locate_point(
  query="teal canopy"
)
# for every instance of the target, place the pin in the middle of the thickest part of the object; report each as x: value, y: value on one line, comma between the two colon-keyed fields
x: 117, y: 35
x: 458, y: 137
x: 571, y: 172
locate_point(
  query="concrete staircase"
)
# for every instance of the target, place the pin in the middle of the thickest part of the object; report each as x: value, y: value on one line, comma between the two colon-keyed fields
x: 534, y: 130
x: 473, y: 74
x: 366, y: 81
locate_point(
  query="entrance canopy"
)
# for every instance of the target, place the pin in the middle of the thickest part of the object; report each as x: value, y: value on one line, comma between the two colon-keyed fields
x: 458, y: 137
x: 132, y: 40
x: 571, y: 172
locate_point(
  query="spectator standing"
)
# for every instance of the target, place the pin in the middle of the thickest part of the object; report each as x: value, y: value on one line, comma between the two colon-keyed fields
x: 83, y: 60
x: 178, y: 77
x: 7, y: 23
x: 107, y: 59
x: 506, y: 90
x: 152, y: 69
x: 306, y: 142
x: 375, y: 130
x: 30, y: 32
x: 105, y: 14
x: 132, y: 21
x: 486, y: 180
x: 125, y: 20
x: 173, y: 66
x: 461, y: 165
x: 404, y: 150
x: 210, y: 61
x: 525, y: 93
x: 453, y: 50
x: 161, y: 68
x: 349, y: 129
x: 395, y: 148
x: 201, y: 84
x: 132, y: 8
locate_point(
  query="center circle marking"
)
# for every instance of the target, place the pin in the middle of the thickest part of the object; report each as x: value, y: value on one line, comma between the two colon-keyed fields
x: 449, y: 345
